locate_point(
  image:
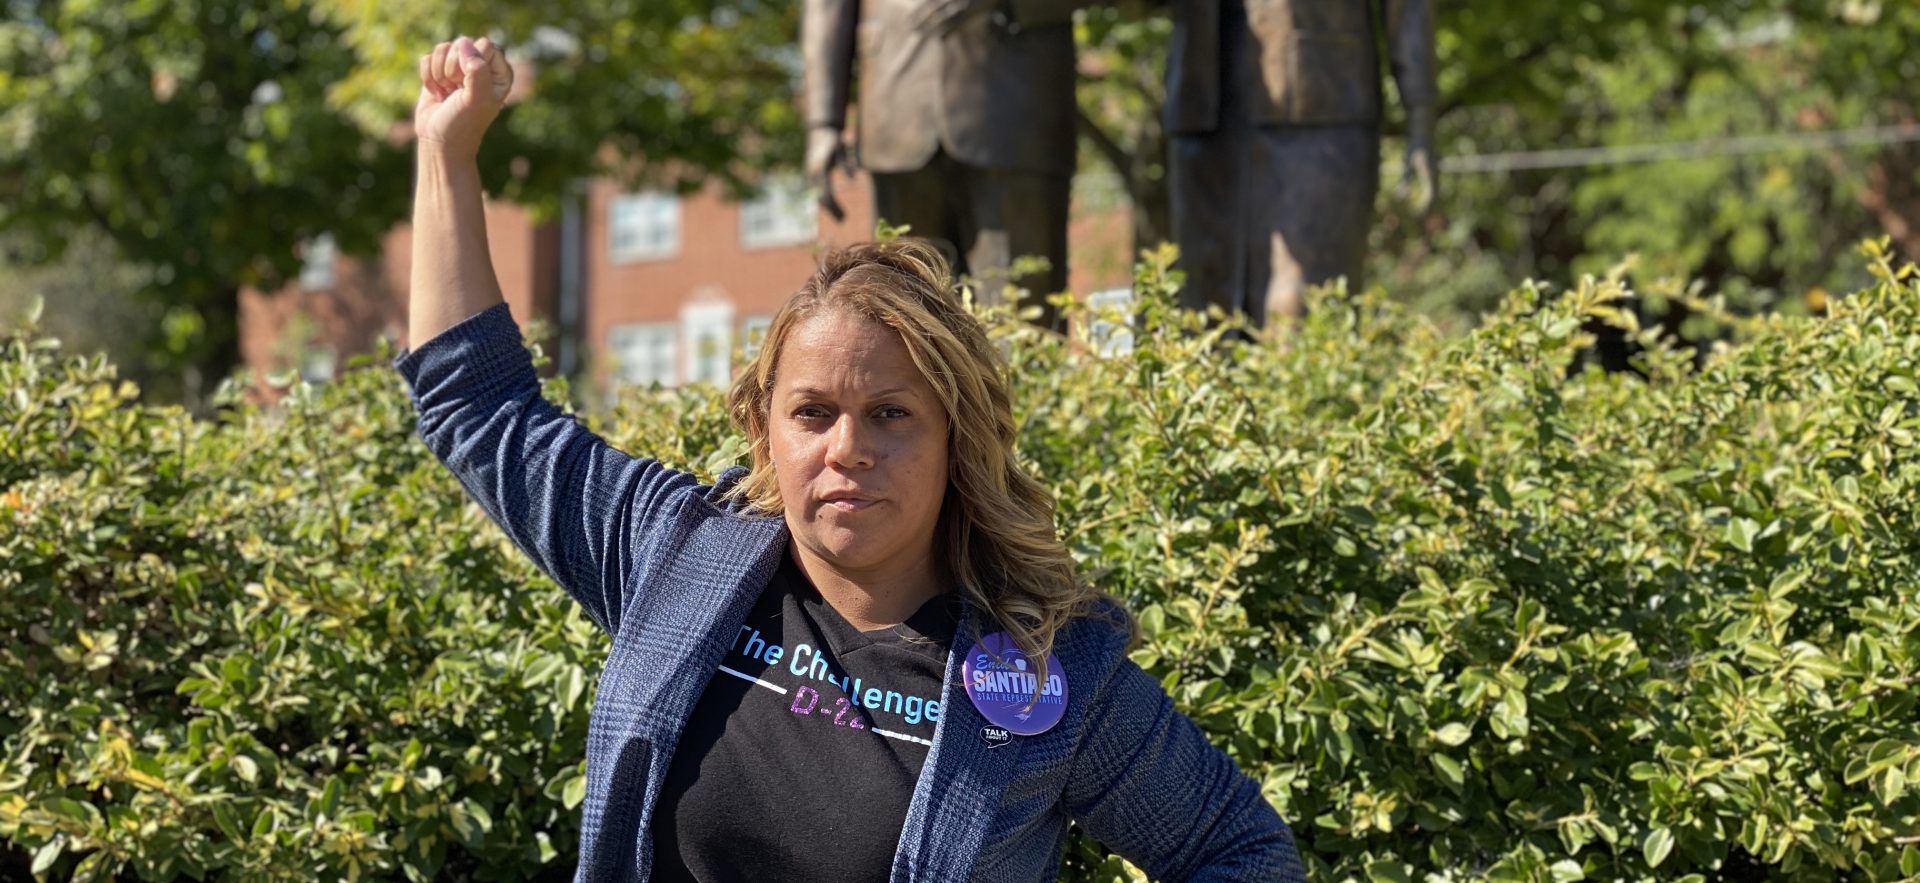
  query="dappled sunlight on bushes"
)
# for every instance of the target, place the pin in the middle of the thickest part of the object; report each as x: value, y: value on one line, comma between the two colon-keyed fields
x: 1468, y: 609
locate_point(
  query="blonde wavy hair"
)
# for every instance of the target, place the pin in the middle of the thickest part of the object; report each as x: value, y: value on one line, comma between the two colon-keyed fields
x: 995, y: 533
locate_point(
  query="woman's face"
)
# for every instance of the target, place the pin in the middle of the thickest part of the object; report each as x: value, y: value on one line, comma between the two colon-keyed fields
x: 859, y: 445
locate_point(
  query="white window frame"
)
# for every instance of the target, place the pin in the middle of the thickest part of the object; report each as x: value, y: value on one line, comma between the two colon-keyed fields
x: 708, y: 328
x: 643, y: 226
x: 753, y: 331
x: 1105, y: 336
x: 644, y: 353
x: 317, y: 258
x: 783, y: 214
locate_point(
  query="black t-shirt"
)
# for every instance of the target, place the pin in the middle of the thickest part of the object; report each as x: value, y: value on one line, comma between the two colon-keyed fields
x: 801, y: 756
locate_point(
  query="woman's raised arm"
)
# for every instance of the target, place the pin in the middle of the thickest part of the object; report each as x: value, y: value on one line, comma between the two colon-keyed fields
x: 463, y: 86
x: 579, y: 508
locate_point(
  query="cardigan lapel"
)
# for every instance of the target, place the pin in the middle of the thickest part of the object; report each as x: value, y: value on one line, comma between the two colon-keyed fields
x: 711, y: 583
x: 721, y: 570
x: 955, y: 798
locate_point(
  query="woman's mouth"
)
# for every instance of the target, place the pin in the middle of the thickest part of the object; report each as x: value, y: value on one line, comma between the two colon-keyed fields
x: 847, y: 502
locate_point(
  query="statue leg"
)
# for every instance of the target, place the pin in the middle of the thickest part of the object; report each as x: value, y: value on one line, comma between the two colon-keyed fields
x: 1007, y: 215
x: 1207, y: 187
x: 1322, y: 182
x: 923, y: 200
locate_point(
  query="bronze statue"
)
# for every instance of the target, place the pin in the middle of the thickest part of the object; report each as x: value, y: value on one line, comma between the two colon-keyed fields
x: 1273, y: 112
x: 966, y: 123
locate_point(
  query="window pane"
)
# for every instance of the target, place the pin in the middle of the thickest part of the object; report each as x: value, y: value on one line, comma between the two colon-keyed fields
x: 753, y: 331
x: 642, y: 226
x: 783, y: 214
x: 643, y: 354
x: 708, y: 327
x: 316, y: 263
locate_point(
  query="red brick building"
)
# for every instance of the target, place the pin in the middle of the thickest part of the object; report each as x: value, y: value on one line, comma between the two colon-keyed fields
x: 637, y: 287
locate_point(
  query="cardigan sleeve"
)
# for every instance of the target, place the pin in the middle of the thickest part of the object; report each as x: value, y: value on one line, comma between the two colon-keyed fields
x: 578, y: 507
x: 1147, y: 784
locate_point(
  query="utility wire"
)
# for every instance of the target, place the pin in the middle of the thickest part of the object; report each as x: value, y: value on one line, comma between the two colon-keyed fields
x: 1567, y: 158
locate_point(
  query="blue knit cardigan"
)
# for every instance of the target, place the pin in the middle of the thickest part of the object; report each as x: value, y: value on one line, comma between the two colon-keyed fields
x: 670, y: 569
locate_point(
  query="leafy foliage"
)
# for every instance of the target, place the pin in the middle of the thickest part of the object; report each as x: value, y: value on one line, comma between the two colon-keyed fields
x: 1466, y: 610
x: 1763, y: 228
x: 198, y: 137
x: 209, y: 139
x: 681, y: 91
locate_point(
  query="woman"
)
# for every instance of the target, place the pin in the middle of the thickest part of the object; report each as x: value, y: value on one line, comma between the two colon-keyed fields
x: 866, y: 658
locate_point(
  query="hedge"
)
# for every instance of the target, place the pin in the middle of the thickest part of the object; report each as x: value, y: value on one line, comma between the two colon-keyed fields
x: 1467, y: 608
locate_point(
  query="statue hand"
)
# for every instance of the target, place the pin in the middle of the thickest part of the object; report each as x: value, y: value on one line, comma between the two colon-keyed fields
x: 463, y: 86
x: 826, y: 149
x: 939, y: 18
x: 1421, y: 177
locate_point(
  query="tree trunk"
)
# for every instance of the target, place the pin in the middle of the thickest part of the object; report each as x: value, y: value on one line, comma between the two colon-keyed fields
x: 1147, y: 188
x: 1142, y: 171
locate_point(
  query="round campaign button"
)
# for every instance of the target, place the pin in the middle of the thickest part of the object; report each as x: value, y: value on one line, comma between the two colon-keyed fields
x: 1004, y: 686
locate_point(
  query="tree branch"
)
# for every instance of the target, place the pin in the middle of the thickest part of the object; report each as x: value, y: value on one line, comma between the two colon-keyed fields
x: 1466, y: 93
x: 1108, y: 148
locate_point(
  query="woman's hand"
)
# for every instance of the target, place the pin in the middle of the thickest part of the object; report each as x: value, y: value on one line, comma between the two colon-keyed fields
x: 463, y: 85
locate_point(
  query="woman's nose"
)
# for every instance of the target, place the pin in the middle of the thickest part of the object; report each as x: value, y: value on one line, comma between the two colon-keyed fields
x: 847, y: 444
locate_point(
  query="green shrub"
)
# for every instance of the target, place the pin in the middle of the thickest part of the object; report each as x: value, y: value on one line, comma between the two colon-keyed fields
x: 1467, y: 610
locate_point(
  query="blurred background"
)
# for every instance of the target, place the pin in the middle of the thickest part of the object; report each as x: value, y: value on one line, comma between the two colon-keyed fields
x: 201, y: 186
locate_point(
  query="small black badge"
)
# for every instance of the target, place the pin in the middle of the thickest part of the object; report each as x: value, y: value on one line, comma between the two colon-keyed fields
x: 995, y: 736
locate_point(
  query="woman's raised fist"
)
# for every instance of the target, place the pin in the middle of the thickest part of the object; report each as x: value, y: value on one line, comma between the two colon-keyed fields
x: 463, y: 85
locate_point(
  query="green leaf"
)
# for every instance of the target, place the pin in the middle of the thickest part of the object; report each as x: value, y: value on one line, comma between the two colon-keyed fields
x: 47, y: 854
x: 471, y: 821
x: 480, y: 814
x: 1892, y: 786
x: 574, y: 684
x: 1740, y: 533
x: 78, y: 810
x: 1659, y: 842
x: 1389, y: 871
x: 544, y: 669
x: 1453, y: 734
x: 329, y: 798
x: 228, y: 820
x: 1567, y: 870
x: 1449, y: 768
x: 89, y: 868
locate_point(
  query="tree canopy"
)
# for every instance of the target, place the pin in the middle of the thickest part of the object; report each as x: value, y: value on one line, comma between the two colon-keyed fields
x: 199, y: 138
x: 207, y: 139
x: 674, y: 91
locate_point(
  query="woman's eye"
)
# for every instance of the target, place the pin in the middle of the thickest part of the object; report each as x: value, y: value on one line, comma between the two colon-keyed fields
x: 891, y: 412
x: 811, y: 412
